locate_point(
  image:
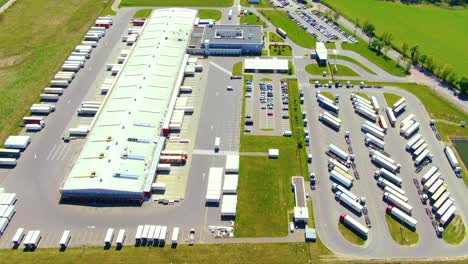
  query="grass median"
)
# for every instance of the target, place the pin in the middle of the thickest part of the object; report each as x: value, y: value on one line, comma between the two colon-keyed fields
x: 251, y: 19
x: 315, y: 69
x: 143, y: 13
x: 363, y: 95
x: 237, y: 68
x: 280, y: 50
x: 274, y: 37
x: 341, y: 70
x: 210, y: 14
x: 265, y: 195
x: 400, y: 233
x: 455, y: 231
x: 391, y: 98
x: 36, y: 37
x: 346, y: 58
x: 349, y: 235
x: 295, y: 33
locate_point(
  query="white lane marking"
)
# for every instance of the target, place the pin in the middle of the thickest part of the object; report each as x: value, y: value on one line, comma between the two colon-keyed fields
x: 66, y: 152
x: 35, y: 156
x: 211, y: 127
x: 61, y: 152
x: 56, y: 152
x: 203, y: 176
x: 221, y: 68
x: 55, y: 145
x: 68, y: 101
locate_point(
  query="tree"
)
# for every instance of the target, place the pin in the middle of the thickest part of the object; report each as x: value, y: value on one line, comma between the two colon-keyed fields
x: 423, y: 59
x: 376, y: 44
x: 414, y: 52
x: 408, y: 65
x: 445, y: 72
x: 464, y: 84
x: 336, y: 15
x: 368, y: 28
x: 387, y: 38
x: 404, y: 48
x: 430, y: 64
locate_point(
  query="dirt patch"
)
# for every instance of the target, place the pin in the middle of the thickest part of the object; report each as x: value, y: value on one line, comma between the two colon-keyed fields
x: 13, y: 60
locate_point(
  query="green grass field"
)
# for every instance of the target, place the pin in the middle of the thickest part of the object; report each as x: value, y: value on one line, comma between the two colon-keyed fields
x: 441, y: 27
x: 363, y: 95
x: 237, y: 68
x: 210, y: 14
x: 341, y: 70
x: 295, y: 33
x: 274, y: 37
x: 328, y: 95
x: 143, y: 13
x: 219, y: 3
x: 400, y: 233
x: 29, y: 58
x: 350, y: 235
x: 2, y: 2
x: 330, y: 45
x: 280, y: 50
x: 455, y: 232
x: 264, y: 195
x: 251, y: 19
x: 391, y: 98
x: 462, y: 149
x: 346, y: 58
x: 316, y: 69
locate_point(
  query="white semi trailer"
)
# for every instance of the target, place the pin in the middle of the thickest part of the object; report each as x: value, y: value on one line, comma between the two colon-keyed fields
x: 354, y: 225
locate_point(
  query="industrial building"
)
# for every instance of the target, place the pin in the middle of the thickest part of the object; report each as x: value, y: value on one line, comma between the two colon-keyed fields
x: 121, y: 153
x: 301, y: 212
x: 321, y: 53
x: 266, y: 65
x: 226, y: 40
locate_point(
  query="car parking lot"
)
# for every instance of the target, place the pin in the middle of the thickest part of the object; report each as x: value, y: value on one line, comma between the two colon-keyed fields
x: 364, y: 185
x: 267, y: 105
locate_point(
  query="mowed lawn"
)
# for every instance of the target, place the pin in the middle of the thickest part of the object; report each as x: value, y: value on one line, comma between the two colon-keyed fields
x: 210, y: 14
x: 297, y: 34
x: 176, y: 3
x: 439, y: 32
x: 265, y: 195
x: 36, y: 36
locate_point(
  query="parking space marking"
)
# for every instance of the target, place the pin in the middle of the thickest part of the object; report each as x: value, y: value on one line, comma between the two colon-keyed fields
x: 220, y: 67
x: 51, y: 151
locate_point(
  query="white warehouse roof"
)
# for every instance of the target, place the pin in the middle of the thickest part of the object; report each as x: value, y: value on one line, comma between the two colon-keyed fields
x: 266, y: 64
x: 120, y: 149
x: 321, y: 50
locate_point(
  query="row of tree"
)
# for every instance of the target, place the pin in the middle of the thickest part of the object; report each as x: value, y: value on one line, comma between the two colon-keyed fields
x: 413, y: 56
x: 437, y: 2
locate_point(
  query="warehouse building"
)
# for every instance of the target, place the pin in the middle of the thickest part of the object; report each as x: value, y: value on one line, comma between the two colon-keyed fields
x: 119, y: 159
x: 301, y: 212
x: 321, y: 53
x: 266, y: 65
x: 227, y: 40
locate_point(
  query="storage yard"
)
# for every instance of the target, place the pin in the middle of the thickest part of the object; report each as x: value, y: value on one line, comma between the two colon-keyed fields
x: 144, y: 138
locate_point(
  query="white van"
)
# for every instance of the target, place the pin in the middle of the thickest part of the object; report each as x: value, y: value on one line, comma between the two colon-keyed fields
x: 287, y: 133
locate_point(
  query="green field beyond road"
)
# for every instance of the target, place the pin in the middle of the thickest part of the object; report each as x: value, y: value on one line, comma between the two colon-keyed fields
x: 439, y: 32
x: 176, y: 3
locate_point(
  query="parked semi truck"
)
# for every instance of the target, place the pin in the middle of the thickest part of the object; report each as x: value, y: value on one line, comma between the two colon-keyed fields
x: 445, y: 219
x: 371, y: 139
x: 451, y: 157
x: 382, y: 123
x: 382, y: 163
x: 373, y: 131
x: 357, y: 227
x: 397, y: 193
x: 401, y: 216
x: 413, y: 141
x: 411, y: 130
x: 328, y: 105
x: 330, y: 121
x: 342, y: 198
x: 334, y: 163
x: 366, y: 113
x: 391, y: 116
x: 338, y: 152
x: 399, y: 102
x: 334, y: 175
x: 426, y: 154
x: 338, y: 188
x: 384, y: 183
x: 395, y: 201
x: 388, y: 176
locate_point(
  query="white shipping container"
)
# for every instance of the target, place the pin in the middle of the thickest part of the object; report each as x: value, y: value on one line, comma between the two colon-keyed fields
x: 19, y: 235
x: 65, y: 239
x: 120, y: 238
x: 391, y: 116
x: 175, y: 235
x: 109, y: 236
x: 451, y: 157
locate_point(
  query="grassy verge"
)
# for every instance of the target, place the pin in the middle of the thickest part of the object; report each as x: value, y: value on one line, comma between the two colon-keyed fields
x: 108, y: 9
x: 2, y: 2
x: 33, y: 48
x: 274, y: 37
x: 330, y: 45
x: 280, y: 50
x: 363, y: 95
x: 328, y: 95
x: 350, y: 235
x: 455, y: 232
x: 143, y: 13
x: 264, y: 52
x: 291, y: 68
x: 251, y: 19
x: 237, y: 68
x: 295, y: 33
x: 346, y: 58
x: 176, y: 3
x: 400, y: 233
x: 391, y: 98
x: 462, y: 148
x: 341, y: 70
x: 266, y: 80
x: 210, y: 14
x: 381, y: 61
x: 316, y: 69
x: 264, y: 195
x: 263, y: 3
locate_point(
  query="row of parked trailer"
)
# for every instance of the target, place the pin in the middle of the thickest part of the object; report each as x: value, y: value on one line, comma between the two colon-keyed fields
x: 366, y: 108
x: 7, y: 209
x: 396, y: 110
x: 147, y: 235
x: 436, y: 189
x: 14, y: 145
x: 329, y: 118
x: 416, y: 144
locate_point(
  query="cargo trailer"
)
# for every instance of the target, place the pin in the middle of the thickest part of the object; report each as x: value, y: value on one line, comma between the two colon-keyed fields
x: 330, y: 121
x: 366, y: 113
x: 439, y: 182
x: 342, y: 172
x: 430, y: 180
x: 413, y: 141
x: 77, y: 58
x: 33, y: 127
x: 81, y: 48
x: 395, y: 201
x: 33, y: 242
x: 370, y: 139
x: 8, y: 162
x: 59, y: 83
x: 400, y: 109
x: 65, y: 239
x: 411, y: 130
x: 49, y: 97
x: 163, y: 235
x: 334, y: 163
x: 382, y: 123
x: 78, y: 131
x: 138, y: 237
x: 409, y: 118
x: 399, y: 102
x: 120, y: 238
x: 89, y: 43
x: 391, y: 116
x: 439, y: 192
x: 33, y: 120
x: 396, y: 193
x: 109, y: 237
x: 354, y: 225
x: 383, y: 163
x: 358, y: 97
x: 87, y: 111
x: 157, y: 232
x: 445, y: 219
x: 402, y: 217
x: 17, y: 142
x: 89, y: 37
x: 50, y: 90
x: 84, y: 54
x: 367, y: 107
x: 336, y: 176
x: 417, y: 144
x: 445, y: 206
x: 451, y: 157
x: 348, y: 201
x: 338, y: 152
x: 444, y: 197
x: 18, y: 236
x: 373, y: 152
x: 371, y: 130
x: 327, y: 105
x: 406, y: 126
x: 175, y: 236
x: 12, y: 153
x: 375, y: 103
x: 375, y: 126
x: 389, y: 176
x: 71, y: 67
x: 9, y: 212
x: 338, y: 188
x: 420, y: 150
x: 384, y: 183
x: 426, y: 154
